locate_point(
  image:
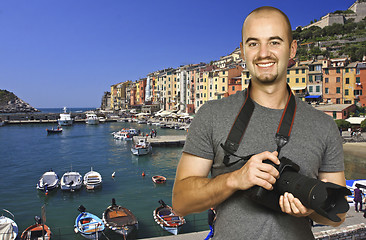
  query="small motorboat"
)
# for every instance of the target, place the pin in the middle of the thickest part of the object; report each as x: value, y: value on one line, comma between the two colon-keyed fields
x: 120, y: 219
x: 8, y: 228
x: 37, y: 231
x: 48, y: 181
x: 158, y: 179
x: 71, y: 181
x: 58, y: 129
x: 122, y: 135
x: 92, y: 180
x: 92, y: 118
x: 165, y: 216
x: 142, y: 147
x: 88, y: 225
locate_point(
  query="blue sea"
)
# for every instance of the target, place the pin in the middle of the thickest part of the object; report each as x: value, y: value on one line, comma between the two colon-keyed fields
x: 26, y: 152
x: 60, y: 110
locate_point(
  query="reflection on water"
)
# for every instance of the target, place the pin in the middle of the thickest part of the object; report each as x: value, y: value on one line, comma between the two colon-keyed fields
x: 355, y: 166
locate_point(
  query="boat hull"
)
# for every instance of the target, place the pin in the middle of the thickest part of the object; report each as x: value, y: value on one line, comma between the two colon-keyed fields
x: 48, y: 181
x: 120, y: 220
x: 141, y: 151
x: 37, y: 231
x: 64, y: 122
x: 71, y: 181
x: 168, y: 219
x: 89, y: 225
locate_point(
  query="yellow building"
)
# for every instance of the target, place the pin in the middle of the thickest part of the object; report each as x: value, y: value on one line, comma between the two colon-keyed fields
x: 349, y: 83
x: 297, y: 78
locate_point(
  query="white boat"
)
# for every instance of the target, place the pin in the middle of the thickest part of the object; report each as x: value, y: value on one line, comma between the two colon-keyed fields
x: 351, y: 185
x: 71, y: 181
x: 92, y: 180
x: 65, y: 118
x: 122, y: 135
x: 8, y: 228
x: 48, y: 181
x: 167, y: 218
x: 92, y: 119
x: 142, y: 147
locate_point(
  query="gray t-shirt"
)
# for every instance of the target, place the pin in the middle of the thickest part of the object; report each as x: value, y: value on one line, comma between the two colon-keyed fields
x: 315, y: 145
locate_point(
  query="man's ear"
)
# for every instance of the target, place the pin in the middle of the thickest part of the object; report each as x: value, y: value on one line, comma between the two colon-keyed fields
x: 293, y: 49
x: 242, y: 50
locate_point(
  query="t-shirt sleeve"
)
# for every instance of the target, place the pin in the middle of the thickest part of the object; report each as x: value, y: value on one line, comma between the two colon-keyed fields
x: 333, y: 160
x: 199, y: 138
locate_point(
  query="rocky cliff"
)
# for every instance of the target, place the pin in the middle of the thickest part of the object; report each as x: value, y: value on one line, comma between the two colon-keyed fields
x: 9, y: 103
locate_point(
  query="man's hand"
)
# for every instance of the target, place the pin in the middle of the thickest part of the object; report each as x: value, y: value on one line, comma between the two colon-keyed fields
x: 255, y: 172
x: 292, y: 206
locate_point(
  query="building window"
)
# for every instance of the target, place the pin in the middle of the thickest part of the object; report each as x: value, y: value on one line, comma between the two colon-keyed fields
x: 288, y: 71
x: 357, y: 71
x: 223, y: 72
x: 338, y: 70
x: 326, y: 80
x: 318, y: 67
x: 346, y: 70
x: 346, y: 92
x: 317, y: 88
x: 326, y: 90
x: 338, y: 101
x: 303, y: 80
x: 297, y: 80
x: 310, y: 89
x: 338, y: 79
x: 288, y: 80
x: 334, y: 115
x: 338, y: 90
x: 326, y: 71
x: 302, y: 70
x: 223, y: 89
x: 297, y: 71
x: 310, y: 78
x: 223, y: 80
x: 347, y: 80
x: 248, y: 74
x: 215, y: 87
x: 233, y: 88
x: 357, y: 79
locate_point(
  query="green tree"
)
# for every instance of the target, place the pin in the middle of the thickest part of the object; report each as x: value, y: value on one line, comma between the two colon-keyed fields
x: 341, y: 123
x: 363, y: 124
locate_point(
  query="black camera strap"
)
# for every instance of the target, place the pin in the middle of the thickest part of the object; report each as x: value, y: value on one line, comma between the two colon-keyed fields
x: 242, y: 120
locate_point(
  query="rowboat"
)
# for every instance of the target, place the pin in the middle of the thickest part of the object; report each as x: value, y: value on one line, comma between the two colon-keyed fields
x: 92, y: 180
x: 88, y: 225
x: 166, y: 217
x: 8, y: 227
x: 48, y: 181
x: 120, y: 219
x: 158, y: 179
x: 54, y: 130
x: 37, y: 231
x: 71, y: 181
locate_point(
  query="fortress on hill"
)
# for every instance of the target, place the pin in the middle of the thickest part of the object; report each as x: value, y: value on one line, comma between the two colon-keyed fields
x: 357, y: 12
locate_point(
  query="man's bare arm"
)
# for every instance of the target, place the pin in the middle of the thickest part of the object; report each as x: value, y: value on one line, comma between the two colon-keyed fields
x: 194, y: 192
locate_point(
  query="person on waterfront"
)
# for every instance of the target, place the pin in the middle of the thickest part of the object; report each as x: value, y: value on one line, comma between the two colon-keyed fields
x: 357, y: 198
x: 315, y: 145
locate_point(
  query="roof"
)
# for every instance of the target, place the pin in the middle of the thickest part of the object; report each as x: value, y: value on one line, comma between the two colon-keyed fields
x: 333, y: 107
x: 355, y: 120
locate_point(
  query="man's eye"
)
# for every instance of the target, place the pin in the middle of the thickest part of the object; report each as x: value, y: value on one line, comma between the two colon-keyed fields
x: 275, y: 43
x: 252, y: 44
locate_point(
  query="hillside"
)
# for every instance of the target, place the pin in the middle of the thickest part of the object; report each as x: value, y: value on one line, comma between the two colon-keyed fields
x: 10, y: 103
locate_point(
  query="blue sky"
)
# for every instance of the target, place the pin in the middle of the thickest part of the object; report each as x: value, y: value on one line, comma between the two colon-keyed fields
x: 56, y: 53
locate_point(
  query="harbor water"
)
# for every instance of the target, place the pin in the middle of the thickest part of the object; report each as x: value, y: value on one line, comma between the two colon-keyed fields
x: 27, y: 151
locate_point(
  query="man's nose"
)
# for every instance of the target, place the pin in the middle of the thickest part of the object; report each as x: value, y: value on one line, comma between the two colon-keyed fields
x: 264, y: 51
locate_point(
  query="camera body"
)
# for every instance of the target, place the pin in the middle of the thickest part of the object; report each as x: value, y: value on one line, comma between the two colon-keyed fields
x: 327, y: 199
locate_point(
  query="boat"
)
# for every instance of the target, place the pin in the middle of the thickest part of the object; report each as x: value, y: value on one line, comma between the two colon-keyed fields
x: 92, y: 119
x: 142, y: 147
x: 65, y: 118
x: 88, y: 225
x: 2, y: 123
x: 92, y: 180
x: 165, y: 216
x: 123, y: 135
x: 351, y: 185
x: 58, y: 129
x: 120, y: 219
x: 71, y: 181
x: 158, y: 179
x: 8, y: 227
x: 48, y: 181
x: 37, y: 231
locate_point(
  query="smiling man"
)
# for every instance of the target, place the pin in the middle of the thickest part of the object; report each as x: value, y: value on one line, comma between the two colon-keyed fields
x: 315, y: 145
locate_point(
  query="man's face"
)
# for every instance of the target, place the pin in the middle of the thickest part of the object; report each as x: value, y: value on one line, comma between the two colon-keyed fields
x: 266, y: 47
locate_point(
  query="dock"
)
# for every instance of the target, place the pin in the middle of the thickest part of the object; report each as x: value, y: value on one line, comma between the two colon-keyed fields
x: 161, y: 141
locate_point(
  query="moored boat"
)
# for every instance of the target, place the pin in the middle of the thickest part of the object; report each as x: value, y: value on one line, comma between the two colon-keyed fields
x: 65, y: 118
x: 48, y: 181
x: 71, y: 181
x: 92, y: 119
x: 37, y: 231
x: 158, y: 179
x: 166, y: 217
x: 8, y: 227
x: 88, y: 225
x: 123, y: 135
x: 92, y: 180
x: 120, y: 219
x: 142, y: 147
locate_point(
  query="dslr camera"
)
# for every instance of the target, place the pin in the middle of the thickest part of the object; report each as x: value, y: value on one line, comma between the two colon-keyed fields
x: 325, y: 198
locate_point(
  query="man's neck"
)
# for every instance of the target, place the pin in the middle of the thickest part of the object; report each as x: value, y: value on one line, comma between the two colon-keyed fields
x: 273, y: 96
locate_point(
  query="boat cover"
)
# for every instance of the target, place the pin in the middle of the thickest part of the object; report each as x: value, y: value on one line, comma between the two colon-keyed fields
x: 6, y: 231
